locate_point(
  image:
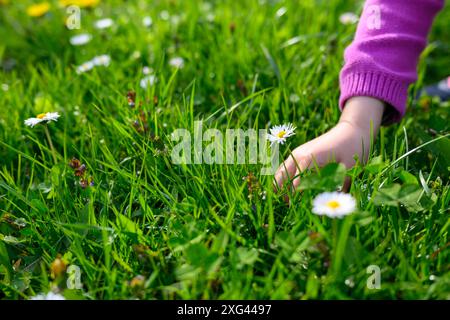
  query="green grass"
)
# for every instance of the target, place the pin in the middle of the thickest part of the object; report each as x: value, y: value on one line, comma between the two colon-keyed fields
x: 192, y: 231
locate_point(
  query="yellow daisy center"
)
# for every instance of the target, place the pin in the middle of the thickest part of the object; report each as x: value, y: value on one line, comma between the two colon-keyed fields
x: 333, y: 204
x: 41, y: 116
x: 281, y: 134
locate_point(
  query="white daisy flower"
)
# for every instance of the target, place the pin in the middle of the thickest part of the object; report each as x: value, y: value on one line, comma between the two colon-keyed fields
x: 88, y: 65
x: 48, y: 296
x: 279, y: 134
x: 147, y: 21
x: 147, y: 81
x: 80, y: 39
x: 348, y: 18
x: 43, y: 117
x: 103, y: 60
x: 104, y: 23
x: 176, y: 62
x: 334, y: 204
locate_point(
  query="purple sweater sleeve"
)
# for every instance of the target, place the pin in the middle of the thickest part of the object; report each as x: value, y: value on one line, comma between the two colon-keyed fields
x: 381, y: 61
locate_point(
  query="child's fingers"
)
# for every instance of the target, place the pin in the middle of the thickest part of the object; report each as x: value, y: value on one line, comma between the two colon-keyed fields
x: 347, y: 184
x: 303, y: 164
x: 296, y: 181
x: 285, y: 172
x: 291, y: 168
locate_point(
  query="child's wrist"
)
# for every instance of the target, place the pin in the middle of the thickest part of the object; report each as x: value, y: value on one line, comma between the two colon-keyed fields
x: 364, y: 113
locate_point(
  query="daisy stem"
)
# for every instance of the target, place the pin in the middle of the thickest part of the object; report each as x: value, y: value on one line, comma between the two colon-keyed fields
x: 49, y: 139
x: 342, y: 231
x: 335, y: 231
x: 335, y: 236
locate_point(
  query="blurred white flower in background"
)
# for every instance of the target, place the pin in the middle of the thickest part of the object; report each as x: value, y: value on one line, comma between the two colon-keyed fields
x: 147, y: 81
x: 164, y: 15
x: 348, y: 18
x: 147, y: 70
x: 294, y: 98
x: 175, y: 20
x: 147, y: 21
x: 281, y: 12
x: 80, y: 39
x: 206, y: 6
x: 102, y: 60
x: 104, y: 23
x: 135, y: 55
x: 176, y: 62
x: 86, y: 66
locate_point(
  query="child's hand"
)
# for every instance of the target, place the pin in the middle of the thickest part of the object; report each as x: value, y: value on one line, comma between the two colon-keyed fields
x: 350, y: 137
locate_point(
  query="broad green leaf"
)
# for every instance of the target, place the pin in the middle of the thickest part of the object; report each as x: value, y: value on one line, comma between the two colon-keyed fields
x: 247, y: 256
x: 375, y: 165
x: 4, y: 260
x: 394, y: 195
x: 328, y: 178
x: 407, y: 177
x: 128, y: 225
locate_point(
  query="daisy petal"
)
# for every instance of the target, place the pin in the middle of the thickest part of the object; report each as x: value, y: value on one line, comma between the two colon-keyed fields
x: 334, y: 204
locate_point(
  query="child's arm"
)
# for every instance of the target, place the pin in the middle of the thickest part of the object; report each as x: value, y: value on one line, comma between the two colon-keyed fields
x: 379, y: 65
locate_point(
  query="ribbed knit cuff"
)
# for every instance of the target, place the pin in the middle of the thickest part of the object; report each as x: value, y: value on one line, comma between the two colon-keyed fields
x: 376, y: 85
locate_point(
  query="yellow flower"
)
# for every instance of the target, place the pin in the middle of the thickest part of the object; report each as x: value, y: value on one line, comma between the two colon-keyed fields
x: 80, y: 3
x: 58, y: 267
x: 38, y: 10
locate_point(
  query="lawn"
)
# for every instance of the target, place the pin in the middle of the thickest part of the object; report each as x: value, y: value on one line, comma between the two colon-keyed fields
x: 93, y: 207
